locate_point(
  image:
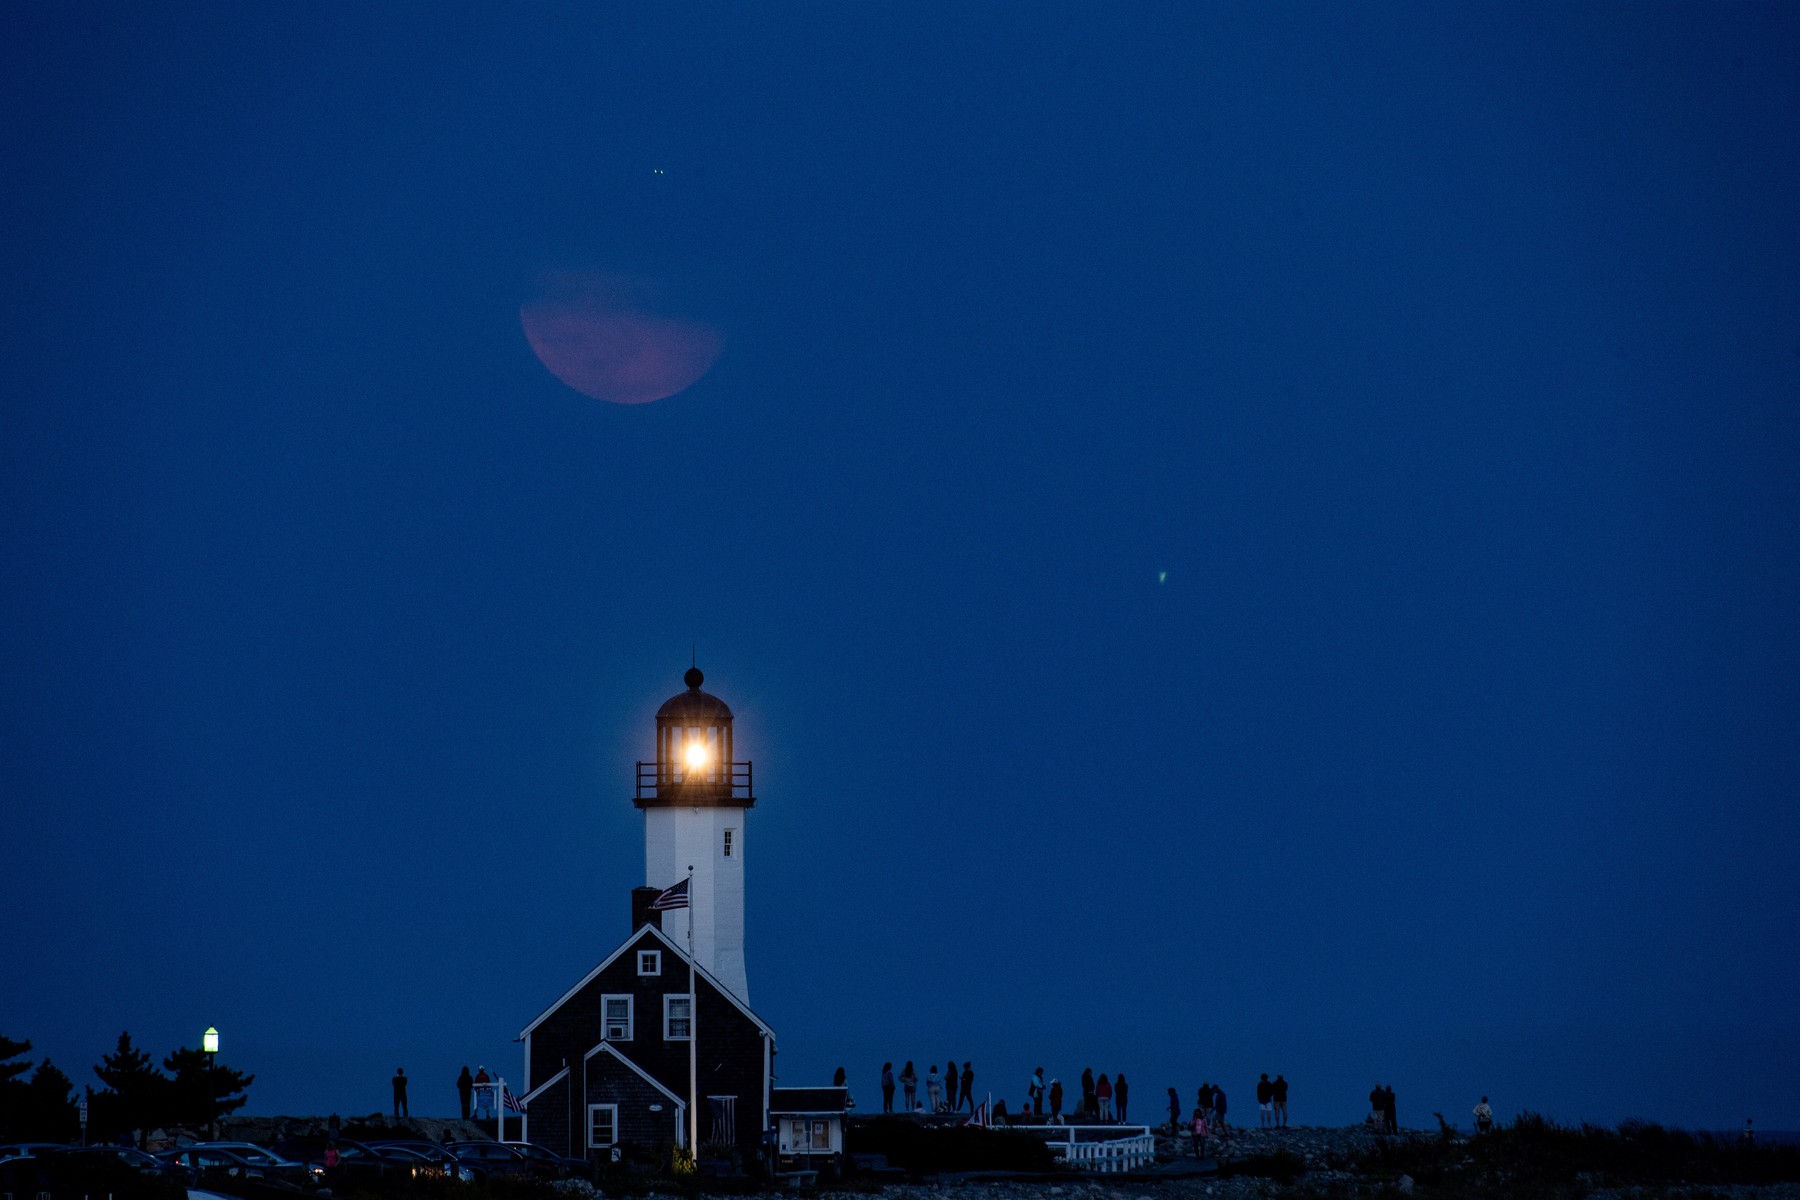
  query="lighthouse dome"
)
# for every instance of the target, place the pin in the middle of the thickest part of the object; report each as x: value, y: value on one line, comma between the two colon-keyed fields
x: 693, y: 707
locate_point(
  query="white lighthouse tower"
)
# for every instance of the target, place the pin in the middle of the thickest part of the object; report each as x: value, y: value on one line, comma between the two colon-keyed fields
x: 695, y: 799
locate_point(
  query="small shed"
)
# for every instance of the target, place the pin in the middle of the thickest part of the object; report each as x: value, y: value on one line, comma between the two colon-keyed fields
x: 809, y: 1125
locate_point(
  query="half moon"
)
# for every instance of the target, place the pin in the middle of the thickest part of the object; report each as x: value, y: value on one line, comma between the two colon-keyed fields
x: 614, y: 353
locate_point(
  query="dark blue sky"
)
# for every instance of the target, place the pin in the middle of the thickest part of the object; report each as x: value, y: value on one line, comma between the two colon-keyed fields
x: 1445, y: 358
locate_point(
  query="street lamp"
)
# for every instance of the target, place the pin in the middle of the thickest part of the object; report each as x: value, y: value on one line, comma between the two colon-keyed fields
x: 209, y: 1042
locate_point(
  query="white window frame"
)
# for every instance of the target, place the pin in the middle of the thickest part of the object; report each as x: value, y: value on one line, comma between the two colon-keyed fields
x: 669, y: 1035
x: 730, y: 837
x: 610, y: 1108
x: 606, y: 1023
x: 649, y: 962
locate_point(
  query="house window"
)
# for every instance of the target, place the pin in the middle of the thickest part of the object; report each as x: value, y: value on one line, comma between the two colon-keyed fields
x: 678, y: 1022
x: 821, y: 1135
x: 649, y: 962
x: 616, y: 1012
x: 603, y: 1125
x: 730, y: 836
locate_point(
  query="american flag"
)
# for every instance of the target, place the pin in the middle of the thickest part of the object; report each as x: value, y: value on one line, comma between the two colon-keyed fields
x: 979, y: 1116
x: 510, y: 1101
x: 675, y: 897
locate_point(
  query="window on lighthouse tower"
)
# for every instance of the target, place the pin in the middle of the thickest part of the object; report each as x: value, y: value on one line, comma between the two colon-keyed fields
x: 728, y: 834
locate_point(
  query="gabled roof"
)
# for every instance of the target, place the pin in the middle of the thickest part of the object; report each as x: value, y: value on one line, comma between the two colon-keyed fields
x: 532, y: 1094
x: 668, y: 943
x: 647, y: 1077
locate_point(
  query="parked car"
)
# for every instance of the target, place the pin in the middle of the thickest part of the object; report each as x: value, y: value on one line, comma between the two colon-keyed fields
x: 357, y: 1161
x: 565, y: 1167
x: 27, y: 1149
x: 274, y: 1165
x: 443, y: 1162
x: 128, y: 1156
x: 499, y: 1160
x: 218, y: 1164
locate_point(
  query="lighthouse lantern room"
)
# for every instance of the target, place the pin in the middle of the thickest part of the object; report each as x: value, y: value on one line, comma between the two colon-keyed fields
x: 695, y: 798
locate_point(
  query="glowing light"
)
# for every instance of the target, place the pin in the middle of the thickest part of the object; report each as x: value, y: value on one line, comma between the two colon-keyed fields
x: 696, y: 756
x: 1162, y: 577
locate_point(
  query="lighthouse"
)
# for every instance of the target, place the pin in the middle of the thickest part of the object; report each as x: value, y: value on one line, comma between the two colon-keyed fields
x: 695, y: 798
x: 651, y: 1049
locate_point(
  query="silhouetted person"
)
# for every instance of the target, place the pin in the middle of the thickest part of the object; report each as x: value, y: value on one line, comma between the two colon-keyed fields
x: 934, y: 1089
x: 909, y: 1084
x: 1265, y: 1102
x: 952, y: 1084
x: 332, y: 1127
x: 465, y: 1090
x: 400, y: 1093
x: 1120, y: 1089
x: 1200, y: 1131
x: 1279, y: 1090
x: 1378, y: 1107
x: 1103, y: 1093
x: 968, y: 1084
x: 1219, y: 1110
x: 1174, y: 1113
x: 1088, y: 1105
x: 1484, y: 1116
x: 1749, y: 1138
x: 1388, y: 1109
x: 1056, y: 1101
x: 1035, y: 1089
x: 887, y: 1087
x: 1204, y: 1099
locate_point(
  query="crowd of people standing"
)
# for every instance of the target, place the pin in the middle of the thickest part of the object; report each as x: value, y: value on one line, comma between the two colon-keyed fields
x: 950, y: 1091
x: 1105, y: 1099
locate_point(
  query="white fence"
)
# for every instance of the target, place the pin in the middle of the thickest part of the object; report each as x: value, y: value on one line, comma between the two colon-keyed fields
x: 1106, y: 1149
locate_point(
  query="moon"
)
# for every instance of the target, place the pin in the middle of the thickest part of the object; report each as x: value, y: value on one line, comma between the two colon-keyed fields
x: 598, y: 335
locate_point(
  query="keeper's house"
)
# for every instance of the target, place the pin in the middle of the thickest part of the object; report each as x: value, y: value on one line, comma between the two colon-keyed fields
x: 607, y: 1066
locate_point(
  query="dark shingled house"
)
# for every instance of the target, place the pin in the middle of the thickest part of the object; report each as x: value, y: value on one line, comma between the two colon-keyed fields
x: 607, y: 1064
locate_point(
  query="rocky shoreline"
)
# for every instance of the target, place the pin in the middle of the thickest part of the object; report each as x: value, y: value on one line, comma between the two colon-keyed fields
x: 1328, y: 1162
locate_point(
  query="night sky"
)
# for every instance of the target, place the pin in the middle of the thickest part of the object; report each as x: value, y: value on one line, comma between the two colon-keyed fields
x: 1240, y: 538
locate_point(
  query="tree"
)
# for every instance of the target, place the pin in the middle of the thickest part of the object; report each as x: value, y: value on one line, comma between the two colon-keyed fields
x: 49, y: 1114
x: 36, y: 1110
x: 137, y: 1095
x: 201, y: 1092
x: 10, y: 1071
x: 12, y: 1088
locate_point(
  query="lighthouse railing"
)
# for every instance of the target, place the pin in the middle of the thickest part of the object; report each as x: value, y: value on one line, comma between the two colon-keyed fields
x: 670, y: 781
x: 1103, y: 1149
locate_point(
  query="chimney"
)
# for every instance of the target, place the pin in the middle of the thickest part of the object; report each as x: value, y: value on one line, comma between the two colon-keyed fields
x: 641, y: 912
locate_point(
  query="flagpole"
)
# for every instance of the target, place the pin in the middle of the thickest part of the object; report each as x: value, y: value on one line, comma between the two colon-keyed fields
x: 693, y: 1033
